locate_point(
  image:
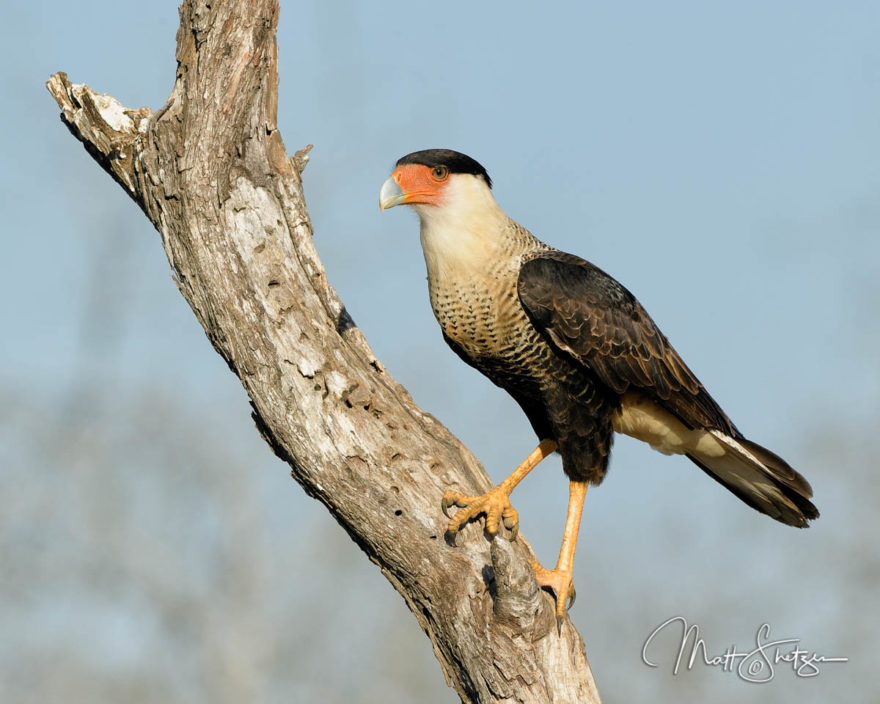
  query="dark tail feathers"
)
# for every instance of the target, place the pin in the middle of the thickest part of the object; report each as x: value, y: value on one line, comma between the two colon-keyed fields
x: 761, y: 479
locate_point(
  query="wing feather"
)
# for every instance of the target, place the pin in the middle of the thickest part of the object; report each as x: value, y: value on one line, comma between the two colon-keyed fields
x: 589, y: 315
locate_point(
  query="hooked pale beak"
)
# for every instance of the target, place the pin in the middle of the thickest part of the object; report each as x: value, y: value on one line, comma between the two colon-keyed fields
x: 391, y: 194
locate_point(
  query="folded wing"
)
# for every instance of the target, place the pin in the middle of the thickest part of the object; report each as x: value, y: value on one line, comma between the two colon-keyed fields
x: 589, y: 316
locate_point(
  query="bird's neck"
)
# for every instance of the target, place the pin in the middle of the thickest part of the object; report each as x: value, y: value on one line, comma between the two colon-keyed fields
x: 467, y: 237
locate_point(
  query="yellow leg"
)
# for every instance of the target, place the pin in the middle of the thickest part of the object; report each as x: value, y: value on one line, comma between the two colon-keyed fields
x: 495, y: 503
x: 559, y: 579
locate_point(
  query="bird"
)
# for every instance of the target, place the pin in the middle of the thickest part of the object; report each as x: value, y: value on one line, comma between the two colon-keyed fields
x: 578, y: 353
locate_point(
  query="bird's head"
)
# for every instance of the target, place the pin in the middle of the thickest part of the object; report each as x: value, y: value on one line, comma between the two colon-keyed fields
x: 435, y: 178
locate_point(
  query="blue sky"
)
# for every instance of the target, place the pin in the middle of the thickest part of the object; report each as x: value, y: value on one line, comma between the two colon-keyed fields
x: 722, y: 160
x: 719, y: 159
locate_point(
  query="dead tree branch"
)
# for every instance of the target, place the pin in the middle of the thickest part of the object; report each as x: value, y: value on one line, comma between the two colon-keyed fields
x: 210, y: 171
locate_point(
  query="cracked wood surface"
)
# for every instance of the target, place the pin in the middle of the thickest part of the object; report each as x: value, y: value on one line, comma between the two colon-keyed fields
x: 210, y: 171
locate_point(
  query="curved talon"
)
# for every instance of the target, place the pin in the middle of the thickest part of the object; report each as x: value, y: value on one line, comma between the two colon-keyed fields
x: 454, y: 498
x: 510, y: 517
x: 559, y: 582
x: 451, y: 536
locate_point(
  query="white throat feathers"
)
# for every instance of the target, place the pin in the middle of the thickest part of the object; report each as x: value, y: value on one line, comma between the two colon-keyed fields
x: 464, y: 232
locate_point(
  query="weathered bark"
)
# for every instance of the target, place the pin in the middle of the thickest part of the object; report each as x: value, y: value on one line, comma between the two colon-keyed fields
x: 210, y: 171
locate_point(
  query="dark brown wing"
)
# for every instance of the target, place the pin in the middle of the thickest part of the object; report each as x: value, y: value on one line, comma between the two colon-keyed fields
x: 589, y: 315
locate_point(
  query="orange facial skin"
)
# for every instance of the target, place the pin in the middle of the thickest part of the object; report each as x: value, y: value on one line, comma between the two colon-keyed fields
x: 421, y: 184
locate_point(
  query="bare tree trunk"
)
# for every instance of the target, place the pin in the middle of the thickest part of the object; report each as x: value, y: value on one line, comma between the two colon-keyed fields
x: 210, y: 171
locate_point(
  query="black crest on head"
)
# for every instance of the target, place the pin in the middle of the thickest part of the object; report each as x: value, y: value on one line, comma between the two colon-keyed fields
x: 456, y: 162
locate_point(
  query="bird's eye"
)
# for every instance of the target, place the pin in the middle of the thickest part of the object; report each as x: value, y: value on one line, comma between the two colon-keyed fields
x: 440, y: 172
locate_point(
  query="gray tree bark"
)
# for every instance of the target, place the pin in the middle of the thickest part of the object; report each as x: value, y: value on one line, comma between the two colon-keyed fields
x: 210, y: 171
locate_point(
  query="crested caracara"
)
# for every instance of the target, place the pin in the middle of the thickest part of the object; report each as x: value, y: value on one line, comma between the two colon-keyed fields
x: 575, y: 349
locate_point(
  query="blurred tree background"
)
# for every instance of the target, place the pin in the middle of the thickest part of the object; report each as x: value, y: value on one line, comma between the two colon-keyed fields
x: 722, y: 162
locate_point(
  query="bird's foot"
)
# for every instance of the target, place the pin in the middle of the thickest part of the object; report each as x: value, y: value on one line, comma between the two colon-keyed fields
x: 559, y: 581
x: 495, y: 504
